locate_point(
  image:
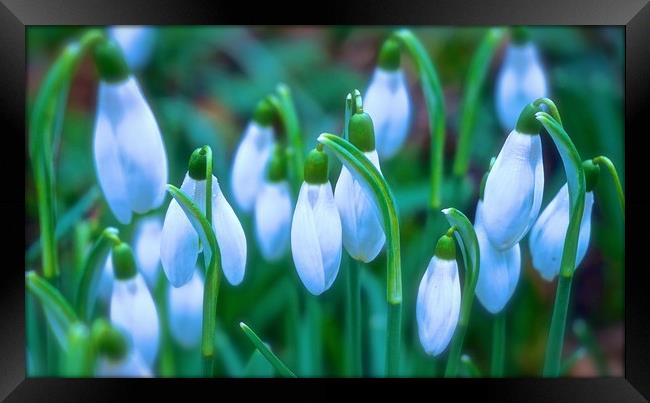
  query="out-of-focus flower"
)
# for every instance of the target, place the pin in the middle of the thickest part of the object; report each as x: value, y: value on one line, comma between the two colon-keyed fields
x: 316, y: 227
x: 136, y: 41
x: 179, y: 244
x: 438, y: 301
x: 129, y: 153
x: 130, y: 366
x: 185, y: 306
x: 387, y: 101
x: 363, y: 234
x: 252, y: 156
x: 146, y: 246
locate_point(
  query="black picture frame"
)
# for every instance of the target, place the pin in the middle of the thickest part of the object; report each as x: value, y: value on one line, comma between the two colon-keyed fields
x: 16, y: 15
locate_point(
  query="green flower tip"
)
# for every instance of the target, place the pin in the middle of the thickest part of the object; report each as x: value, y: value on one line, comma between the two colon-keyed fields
x: 110, y: 62
x: 527, y: 122
x: 316, y: 166
x: 389, y: 55
x: 592, y: 172
x: 277, y: 166
x: 124, y: 266
x: 264, y: 113
x: 362, y: 132
x: 446, y: 248
x: 108, y: 340
x: 197, y: 167
x: 519, y: 34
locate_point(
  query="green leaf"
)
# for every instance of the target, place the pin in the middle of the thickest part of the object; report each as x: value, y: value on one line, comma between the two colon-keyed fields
x: 92, y: 272
x: 279, y: 366
x: 60, y: 315
x: 207, y: 236
x: 78, y: 359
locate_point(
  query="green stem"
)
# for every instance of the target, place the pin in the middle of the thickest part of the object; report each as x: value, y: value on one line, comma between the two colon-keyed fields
x: 558, y: 322
x: 393, y: 340
x: 354, y: 315
x: 478, y: 69
x: 602, y: 160
x: 279, y: 366
x: 43, y: 123
x: 286, y: 109
x: 498, y: 344
x: 435, y: 103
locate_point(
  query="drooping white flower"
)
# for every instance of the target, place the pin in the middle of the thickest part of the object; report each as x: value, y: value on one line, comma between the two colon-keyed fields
x: 499, y: 273
x: 136, y: 42
x: 252, y: 156
x: 185, y: 307
x: 513, y: 190
x: 316, y: 228
x: 387, y: 101
x: 129, y: 154
x: 520, y: 81
x: 146, y: 246
x: 363, y: 233
x: 179, y: 244
x: 438, y: 300
x: 273, y: 209
x: 130, y: 366
x: 132, y: 307
x: 549, y: 232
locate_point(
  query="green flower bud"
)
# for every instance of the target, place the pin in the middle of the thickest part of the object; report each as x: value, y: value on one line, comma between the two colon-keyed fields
x: 110, y: 62
x: 108, y: 340
x: 276, y: 170
x: 124, y: 266
x: 592, y: 173
x: 446, y: 247
x: 362, y: 132
x: 316, y: 166
x: 197, y: 167
x: 264, y: 113
x: 527, y: 123
x: 389, y: 55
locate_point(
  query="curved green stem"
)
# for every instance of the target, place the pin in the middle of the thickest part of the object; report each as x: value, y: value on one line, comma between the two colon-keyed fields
x: 576, y: 184
x: 552, y: 108
x: 602, y: 160
x: 498, y: 344
x: 273, y: 359
x: 478, y: 69
x: 354, y: 316
x: 466, y: 238
x: 92, y: 272
x: 375, y: 185
x: 44, y: 122
x: 435, y: 102
x: 284, y: 105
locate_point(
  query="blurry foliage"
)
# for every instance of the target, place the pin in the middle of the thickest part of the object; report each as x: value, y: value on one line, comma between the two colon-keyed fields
x: 203, y: 83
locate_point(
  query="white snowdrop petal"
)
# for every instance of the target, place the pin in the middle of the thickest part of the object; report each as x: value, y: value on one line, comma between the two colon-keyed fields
x: 387, y: 103
x: 105, y: 286
x: 520, y: 81
x: 513, y: 190
x: 133, y: 310
x: 273, y: 212
x: 109, y: 169
x: 328, y: 228
x: 147, y: 248
x: 230, y: 236
x: 185, y: 306
x: 249, y: 164
x: 136, y: 42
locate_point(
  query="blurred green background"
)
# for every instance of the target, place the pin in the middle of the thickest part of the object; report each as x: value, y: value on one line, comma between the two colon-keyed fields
x: 203, y: 84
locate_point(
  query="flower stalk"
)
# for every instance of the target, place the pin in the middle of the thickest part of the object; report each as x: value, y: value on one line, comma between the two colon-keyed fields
x: 607, y: 163
x: 286, y: 109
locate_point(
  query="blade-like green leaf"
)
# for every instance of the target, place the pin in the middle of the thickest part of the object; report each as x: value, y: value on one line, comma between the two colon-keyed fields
x: 279, y: 366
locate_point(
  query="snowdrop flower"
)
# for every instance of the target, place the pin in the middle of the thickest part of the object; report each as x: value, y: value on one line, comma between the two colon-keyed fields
x: 179, y: 243
x: 499, y: 272
x: 387, y: 101
x: 316, y: 227
x: 130, y: 366
x: 252, y: 156
x: 136, y: 42
x: 547, y: 236
x: 363, y: 234
x: 520, y: 81
x: 273, y: 209
x: 185, y: 307
x: 515, y: 184
x: 129, y: 154
x: 132, y: 308
x: 147, y: 248
x: 438, y: 301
